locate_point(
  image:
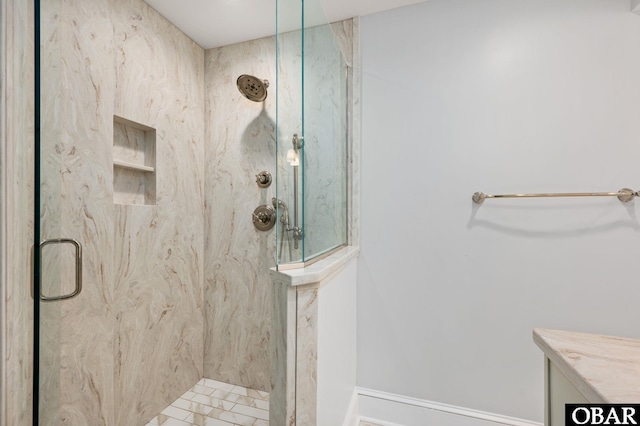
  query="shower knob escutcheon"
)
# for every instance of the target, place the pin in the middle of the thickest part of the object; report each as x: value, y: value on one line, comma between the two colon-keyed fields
x: 264, y: 179
x: 264, y: 217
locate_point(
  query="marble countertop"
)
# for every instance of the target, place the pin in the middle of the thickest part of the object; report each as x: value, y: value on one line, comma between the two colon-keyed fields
x: 605, y: 369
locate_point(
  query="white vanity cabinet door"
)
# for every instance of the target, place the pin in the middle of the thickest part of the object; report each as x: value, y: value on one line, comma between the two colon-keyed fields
x: 558, y: 392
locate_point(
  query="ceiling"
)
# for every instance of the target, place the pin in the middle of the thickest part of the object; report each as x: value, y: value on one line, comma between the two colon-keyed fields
x: 214, y: 23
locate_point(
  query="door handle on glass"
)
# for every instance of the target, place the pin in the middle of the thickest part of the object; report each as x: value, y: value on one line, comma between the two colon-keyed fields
x: 78, y: 262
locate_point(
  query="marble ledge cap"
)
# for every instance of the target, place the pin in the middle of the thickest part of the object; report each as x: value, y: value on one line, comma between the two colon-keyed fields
x: 318, y: 271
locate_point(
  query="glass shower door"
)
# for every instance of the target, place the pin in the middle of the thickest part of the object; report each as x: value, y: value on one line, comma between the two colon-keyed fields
x: 50, y: 257
x: 58, y: 269
x: 72, y: 340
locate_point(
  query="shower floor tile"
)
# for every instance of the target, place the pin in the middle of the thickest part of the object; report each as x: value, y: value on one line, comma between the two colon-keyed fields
x: 213, y: 403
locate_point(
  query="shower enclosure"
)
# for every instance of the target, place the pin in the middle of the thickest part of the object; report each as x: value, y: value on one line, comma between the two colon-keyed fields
x: 315, y: 62
x: 125, y: 284
x: 312, y: 133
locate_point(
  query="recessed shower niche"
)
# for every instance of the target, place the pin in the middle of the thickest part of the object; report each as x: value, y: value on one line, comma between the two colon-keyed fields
x: 134, y: 163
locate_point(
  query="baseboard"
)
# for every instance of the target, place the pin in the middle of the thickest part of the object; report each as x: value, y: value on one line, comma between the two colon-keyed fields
x: 387, y: 409
x: 353, y: 417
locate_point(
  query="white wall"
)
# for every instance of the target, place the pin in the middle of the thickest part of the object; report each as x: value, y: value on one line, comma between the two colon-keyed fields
x: 336, y: 346
x: 498, y: 96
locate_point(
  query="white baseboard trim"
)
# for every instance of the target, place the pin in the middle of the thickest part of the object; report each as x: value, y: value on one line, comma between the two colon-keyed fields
x: 353, y: 417
x: 378, y: 421
x: 387, y: 409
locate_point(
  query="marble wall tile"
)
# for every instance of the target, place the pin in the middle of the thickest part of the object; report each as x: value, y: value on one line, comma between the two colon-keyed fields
x: 159, y: 249
x: 343, y: 36
x: 240, y: 137
x: 306, y: 366
x: 240, y: 143
x: 355, y: 136
x: 282, y: 397
x: 16, y: 230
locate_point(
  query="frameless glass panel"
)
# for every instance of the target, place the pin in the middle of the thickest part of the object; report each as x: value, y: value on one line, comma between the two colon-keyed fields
x: 325, y: 118
x: 289, y: 132
x: 52, y: 257
x: 312, y: 132
x: 73, y: 376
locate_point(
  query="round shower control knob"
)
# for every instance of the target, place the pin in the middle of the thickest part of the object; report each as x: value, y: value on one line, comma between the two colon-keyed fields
x: 264, y: 217
x: 263, y: 179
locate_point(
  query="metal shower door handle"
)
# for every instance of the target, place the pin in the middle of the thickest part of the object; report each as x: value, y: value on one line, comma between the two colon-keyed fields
x: 78, y: 263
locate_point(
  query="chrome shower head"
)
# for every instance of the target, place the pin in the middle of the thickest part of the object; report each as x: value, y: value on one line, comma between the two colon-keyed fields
x: 252, y: 87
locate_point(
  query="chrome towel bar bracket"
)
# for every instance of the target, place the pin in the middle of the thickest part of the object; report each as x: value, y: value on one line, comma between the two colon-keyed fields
x: 625, y: 195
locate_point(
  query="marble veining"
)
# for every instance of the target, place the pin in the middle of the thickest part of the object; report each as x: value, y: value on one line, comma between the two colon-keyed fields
x: 131, y: 342
x: 294, y: 345
x: 240, y: 143
x: 16, y: 218
x: 307, y: 357
x: 283, y: 355
x: 214, y: 403
x: 240, y: 137
x: 325, y: 133
x: 354, y: 134
x: 325, y: 113
x: 77, y: 335
x: 159, y: 250
x: 603, y: 368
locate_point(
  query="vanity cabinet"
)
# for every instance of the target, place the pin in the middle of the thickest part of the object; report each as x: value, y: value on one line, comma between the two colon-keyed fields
x: 558, y: 392
x: 587, y: 368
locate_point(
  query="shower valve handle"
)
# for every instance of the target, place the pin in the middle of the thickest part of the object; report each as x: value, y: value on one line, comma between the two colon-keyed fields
x: 264, y: 217
x: 261, y: 217
x: 264, y: 179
